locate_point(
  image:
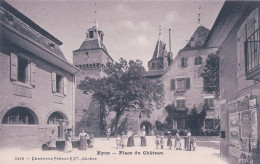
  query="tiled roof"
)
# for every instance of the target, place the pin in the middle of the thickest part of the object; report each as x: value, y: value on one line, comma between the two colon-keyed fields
x: 28, y: 21
x: 199, y: 37
x: 15, y: 20
x: 92, y: 44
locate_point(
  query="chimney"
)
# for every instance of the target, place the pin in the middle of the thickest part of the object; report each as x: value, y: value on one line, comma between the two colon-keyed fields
x: 170, y: 45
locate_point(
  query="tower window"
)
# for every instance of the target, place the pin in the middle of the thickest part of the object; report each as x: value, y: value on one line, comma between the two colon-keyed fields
x: 91, y: 34
x: 192, y: 42
x: 198, y: 60
x: 153, y: 65
x: 184, y: 62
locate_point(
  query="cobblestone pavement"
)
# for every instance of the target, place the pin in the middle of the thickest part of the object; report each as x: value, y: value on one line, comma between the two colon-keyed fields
x: 105, y: 152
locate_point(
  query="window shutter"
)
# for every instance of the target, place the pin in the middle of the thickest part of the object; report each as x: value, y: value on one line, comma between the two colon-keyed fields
x: 53, y: 78
x: 14, y: 66
x: 187, y: 83
x: 65, y: 82
x: 173, y: 84
x: 33, y: 73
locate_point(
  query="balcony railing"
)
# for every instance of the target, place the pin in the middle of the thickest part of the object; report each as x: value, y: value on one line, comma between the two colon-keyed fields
x: 252, y: 55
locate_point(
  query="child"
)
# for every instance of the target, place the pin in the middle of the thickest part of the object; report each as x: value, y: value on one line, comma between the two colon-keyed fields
x: 193, y: 144
x: 91, y: 141
x: 122, y: 140
x: 157, y: 141
x: 118, y: 141
x: 161, y: 140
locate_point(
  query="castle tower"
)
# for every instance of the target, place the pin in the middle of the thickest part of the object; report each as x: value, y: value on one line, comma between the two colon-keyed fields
x: 91, y: 56
x: 161, y: 58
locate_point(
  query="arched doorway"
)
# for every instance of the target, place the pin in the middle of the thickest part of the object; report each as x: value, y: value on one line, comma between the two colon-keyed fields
x: 148, y: 127
x: 20, y: 115
x: 60, y: 119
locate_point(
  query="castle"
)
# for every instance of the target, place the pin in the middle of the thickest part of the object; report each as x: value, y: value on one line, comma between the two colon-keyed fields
x: 90, y: 58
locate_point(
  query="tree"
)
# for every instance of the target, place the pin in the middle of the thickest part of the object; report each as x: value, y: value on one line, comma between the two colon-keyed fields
x: 194, y: 121
x: 175, y: 114
x: 211, y: 74
x: 124, y: 88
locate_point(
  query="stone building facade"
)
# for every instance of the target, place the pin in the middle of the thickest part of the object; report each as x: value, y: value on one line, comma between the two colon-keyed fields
x: 236, y: 34
x: 37, y: 82
x: 182, y: 84
x: 90, y: 58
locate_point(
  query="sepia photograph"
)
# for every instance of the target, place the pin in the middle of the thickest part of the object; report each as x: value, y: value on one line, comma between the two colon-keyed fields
x: 130, y: 81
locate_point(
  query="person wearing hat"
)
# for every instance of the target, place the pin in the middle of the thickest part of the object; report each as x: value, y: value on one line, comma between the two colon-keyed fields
x: 68, y: 143
x: 52, y: 140
x: 169, y: 140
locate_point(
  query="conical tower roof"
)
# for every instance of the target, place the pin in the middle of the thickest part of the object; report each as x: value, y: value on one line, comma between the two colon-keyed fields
x: 198, y: 38
x: 160, y: 50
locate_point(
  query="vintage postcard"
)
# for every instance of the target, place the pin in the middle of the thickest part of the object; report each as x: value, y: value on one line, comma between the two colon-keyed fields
x: 134, y: 81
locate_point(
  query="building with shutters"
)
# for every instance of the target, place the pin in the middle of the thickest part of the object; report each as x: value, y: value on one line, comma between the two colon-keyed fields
x: 182, y: 83
x: 236, y: 34
x: 91, y: 56
x: 37, y: 82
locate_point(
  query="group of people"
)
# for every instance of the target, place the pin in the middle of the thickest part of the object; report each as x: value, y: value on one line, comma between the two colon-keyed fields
x: 85, y: 141
x: 88, y: 140
x: 120, y: 140
x: 189, y: 143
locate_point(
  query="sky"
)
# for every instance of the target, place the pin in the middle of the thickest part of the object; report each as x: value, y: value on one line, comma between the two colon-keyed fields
x: 131, y: 28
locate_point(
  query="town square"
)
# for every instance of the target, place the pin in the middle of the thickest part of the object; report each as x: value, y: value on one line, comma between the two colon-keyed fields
x: 130, y: 81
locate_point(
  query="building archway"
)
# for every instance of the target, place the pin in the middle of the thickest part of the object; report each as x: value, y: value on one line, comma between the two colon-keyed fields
x: 147, y: 126
x: 60, y: 119
x: 20, y: 115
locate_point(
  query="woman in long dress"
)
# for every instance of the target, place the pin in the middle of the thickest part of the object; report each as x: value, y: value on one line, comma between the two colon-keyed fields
x: 130, y: 141
x: 52, y: 140
x: 177, y: 143
x: 169, y: 140
x: 68, y: 143
x: 123, y: 139
x: 143, y: 138
x: 187, y: 143
x: 83, y: 140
